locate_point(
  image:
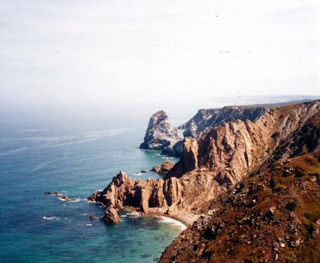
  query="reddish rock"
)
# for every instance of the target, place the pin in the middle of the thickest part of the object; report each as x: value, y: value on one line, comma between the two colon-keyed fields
x: 111, y: 216
x: 66, y: 198
x: 92, y: 217
x: 208, y: 167
x: 156, y: 169
x: 93, y: 197
x: 165, y: 167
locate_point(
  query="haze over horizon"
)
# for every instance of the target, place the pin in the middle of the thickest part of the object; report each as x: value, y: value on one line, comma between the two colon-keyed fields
x: 64, y: 54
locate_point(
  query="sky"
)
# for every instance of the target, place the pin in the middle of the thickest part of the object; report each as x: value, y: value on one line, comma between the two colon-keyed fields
x: 116, y: 52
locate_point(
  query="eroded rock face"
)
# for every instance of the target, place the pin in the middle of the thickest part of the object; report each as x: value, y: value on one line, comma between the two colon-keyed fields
x: 259, y: 221
x: 209, y: 166
x: 207, y: 119
x: 111, y: 216
x: 160, y: 135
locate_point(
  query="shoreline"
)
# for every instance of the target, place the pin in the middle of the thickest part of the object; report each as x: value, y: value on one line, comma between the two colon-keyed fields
x: 169, y: 220
x: 182, y: 218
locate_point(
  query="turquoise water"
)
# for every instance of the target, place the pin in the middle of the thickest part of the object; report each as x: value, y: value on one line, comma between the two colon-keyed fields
x: 36, y: 158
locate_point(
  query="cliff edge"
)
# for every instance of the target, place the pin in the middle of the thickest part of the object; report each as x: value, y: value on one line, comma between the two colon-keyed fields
x: 207, y: 119
x: 270, y: 216
x: 210, y: 166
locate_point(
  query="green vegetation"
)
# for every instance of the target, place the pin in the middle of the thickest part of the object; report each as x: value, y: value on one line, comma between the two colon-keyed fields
x: 272, y: 183
x: 291, y: 206
x: 307, y: 215
x: 278, y: 189
x: 299, y: 174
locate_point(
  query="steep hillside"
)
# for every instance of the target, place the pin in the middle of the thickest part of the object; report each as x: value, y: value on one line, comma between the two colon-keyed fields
x: 210, y: 166
x: 271, y: 216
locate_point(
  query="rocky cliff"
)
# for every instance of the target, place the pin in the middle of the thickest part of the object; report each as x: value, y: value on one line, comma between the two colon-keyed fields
x: 206, y: 119
x: 209, y: 166
x: 249, y: 155
x: 160, y: 135
x: 271, y: 216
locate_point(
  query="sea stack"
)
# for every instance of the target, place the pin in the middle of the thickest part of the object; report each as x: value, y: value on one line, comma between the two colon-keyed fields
x: 160, y: 135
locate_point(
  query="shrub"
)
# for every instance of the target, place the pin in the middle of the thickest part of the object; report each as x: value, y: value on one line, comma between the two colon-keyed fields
x: 299, y: 174
x: 291, y: 205
x: 310, y: 229
x: 307, y: 215
x: 272, y: 183
x: 275, y: 135
x: 277, y: 190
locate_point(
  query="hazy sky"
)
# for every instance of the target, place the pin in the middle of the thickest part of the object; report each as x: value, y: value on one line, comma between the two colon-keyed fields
x: 98, y: 52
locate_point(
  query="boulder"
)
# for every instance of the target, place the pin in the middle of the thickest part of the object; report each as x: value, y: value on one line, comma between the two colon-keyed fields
x: 94, y: 196
x: 92, y: 217
x: 165, y: 167
x: 65, y: 198
x: 111, y: 216
x: 156, y: 169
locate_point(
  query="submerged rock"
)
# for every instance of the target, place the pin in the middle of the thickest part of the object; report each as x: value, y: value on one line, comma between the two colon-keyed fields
x: 65, y: 198
x: 92, y: 217
x: 160, y: 135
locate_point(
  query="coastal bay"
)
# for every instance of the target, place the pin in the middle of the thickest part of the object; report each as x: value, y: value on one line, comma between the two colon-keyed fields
x: 42, y: 228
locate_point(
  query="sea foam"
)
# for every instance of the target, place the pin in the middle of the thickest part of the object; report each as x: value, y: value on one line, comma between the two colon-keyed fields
x: 168, y: 220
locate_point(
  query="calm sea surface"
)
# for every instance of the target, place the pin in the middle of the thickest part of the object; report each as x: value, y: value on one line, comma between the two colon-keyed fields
x: 36, y: 158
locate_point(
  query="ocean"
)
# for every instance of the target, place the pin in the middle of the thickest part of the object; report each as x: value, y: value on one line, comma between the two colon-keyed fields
x: 77, y: 152
x: 35, y: 227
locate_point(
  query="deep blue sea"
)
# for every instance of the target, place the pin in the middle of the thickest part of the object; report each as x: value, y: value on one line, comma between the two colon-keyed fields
x: 35, y: 227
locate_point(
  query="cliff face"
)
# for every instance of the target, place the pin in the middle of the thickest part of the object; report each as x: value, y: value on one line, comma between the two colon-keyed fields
x: 160, y: 135
x: 208, y: 167
x: 206, y: 119
x: 271, y: 216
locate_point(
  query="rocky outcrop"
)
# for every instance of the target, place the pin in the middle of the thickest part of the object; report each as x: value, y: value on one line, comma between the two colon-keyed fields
x: 209, y: 166
x: 160, y: 135
x: 164, y: 168
x: 238, y: 177
x: 207, y: 119
x: 111, y: 216
x: 271, y: 216
x: 64, y: 198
